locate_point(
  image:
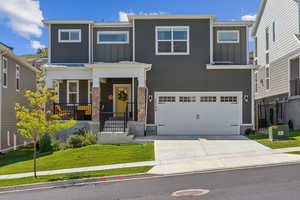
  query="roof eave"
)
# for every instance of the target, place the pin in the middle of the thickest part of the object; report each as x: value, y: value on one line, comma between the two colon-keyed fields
x: 149, y: 17
x: 258, y: 17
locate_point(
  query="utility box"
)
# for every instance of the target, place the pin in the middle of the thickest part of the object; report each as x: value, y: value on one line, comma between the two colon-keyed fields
x: 279, y: 132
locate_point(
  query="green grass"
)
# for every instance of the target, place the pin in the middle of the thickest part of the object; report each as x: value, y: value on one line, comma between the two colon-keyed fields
x: 295, y: 153
x: 29, y: 56
x: 293, y: 141
x: 80, y: 175
x: 20, y: 161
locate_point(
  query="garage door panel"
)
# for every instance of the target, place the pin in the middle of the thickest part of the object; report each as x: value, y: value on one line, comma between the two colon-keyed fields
x: 199, y: 118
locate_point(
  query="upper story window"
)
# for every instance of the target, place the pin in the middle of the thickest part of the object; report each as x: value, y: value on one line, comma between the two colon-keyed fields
x: 113, y: 37
x: 4, y: 71
x: 228, y: 37
x: 18, y: 77
x: 267, y: 38
x: 274, y: 31
x: 172, y: 40
x: 69, y: 35
x: 255, y: 47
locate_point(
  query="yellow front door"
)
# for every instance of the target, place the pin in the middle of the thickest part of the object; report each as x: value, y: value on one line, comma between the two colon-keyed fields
x: 122, y: 97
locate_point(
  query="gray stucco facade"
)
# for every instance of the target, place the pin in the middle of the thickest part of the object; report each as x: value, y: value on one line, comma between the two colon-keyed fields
x: 9, y: 136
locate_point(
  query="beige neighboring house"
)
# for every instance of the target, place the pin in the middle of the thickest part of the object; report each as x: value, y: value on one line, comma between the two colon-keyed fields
x: 16, y: 77
x: 276, y: 56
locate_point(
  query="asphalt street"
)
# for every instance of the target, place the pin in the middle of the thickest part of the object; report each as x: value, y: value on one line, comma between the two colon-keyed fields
x: 271, y: 183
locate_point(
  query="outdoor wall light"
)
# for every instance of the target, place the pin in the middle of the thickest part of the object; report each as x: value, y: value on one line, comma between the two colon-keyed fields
x: 246, y: 98
x: 150, y: 98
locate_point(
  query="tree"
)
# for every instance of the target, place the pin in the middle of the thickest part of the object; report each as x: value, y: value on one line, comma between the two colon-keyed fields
x: 35, y: 120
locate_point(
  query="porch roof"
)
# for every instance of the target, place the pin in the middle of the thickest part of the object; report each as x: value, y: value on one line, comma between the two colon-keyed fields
x: 120, y: 64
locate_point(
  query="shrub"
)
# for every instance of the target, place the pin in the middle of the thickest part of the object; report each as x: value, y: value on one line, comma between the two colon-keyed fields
x: 75, y: 141
x: 89, y: 139
x: 45, y: 144
x: 249, y: 131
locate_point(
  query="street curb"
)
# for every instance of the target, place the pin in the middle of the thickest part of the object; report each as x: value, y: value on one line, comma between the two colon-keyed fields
x: 73, y: 182
x: 99, y: 180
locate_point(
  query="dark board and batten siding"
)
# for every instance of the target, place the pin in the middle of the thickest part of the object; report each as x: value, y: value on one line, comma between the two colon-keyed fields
x: 112, y: 52
x: 77, y: 52
x: 187, y: 72
x: 235, y: 53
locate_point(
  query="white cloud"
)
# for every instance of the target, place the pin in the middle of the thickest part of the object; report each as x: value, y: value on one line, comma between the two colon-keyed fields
x: 36, y: 45
x: 249, y: 17
x: 123, y: 16
x: 24, y: 16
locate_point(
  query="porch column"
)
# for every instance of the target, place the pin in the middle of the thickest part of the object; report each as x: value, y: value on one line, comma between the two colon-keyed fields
x: 95, y: 103
x: 141, y: 100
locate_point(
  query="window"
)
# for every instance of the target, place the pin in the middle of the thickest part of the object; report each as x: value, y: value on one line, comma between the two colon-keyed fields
x: 69, y: 35
x: 274, y: 31
x: 112, y: 37
x: 255, y: 47
x: 255, y: 81
x: 228, y: 36
x: 172, y: 41
x: 18, y: 77
x: 90, y: 90
x: 229, y: 99
x: 267, y: 77
x: 8, y: 138
x: 73, y: 92
x: 4, y: 71
x: 187, y: 99
x: 208, y: 99
x: 166, y: 99
x: 267, y: 58
x: 267, y: 38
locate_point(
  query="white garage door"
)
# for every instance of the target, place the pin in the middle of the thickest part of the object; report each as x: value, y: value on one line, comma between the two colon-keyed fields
x: 211, y: 113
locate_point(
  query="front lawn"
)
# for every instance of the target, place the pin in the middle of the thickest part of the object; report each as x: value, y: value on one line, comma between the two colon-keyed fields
x: 20, y: 161
x: 293, y: 141
x: 79, y: 175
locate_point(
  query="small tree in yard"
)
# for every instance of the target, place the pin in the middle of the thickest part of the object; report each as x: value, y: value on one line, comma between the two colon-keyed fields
x: 35, y: 120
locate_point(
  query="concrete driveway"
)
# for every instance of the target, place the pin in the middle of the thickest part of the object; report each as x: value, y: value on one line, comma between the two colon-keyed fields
x: 184, y: 148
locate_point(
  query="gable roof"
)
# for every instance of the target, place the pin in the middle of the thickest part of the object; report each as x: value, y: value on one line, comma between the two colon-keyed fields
x: 261, y: 10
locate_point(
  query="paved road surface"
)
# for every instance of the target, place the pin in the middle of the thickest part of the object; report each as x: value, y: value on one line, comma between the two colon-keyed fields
x: 272, y: 183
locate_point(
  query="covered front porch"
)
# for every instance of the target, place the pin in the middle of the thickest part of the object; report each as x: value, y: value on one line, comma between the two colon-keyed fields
x: 112, y: 94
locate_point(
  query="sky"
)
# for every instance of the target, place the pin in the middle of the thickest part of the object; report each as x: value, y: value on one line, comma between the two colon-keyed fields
x: 21, y: 26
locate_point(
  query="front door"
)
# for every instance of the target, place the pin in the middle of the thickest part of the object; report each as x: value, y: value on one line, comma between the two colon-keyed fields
x: 122, y: 96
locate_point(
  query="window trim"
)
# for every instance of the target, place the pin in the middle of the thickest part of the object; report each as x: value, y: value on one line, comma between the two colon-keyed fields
x: 267, y: 38
x: 68, y: 91
x: 113, y: 32
x: 228, y: 42
x: 4, y: 71
x: 274, y: 31
x: 172, y: 41
x: 18, y: 76
x: 69, y: 30
x: 268, y: 78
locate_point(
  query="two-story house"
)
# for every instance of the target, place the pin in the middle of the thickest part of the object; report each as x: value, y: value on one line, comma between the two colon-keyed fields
x: 176, y: 74
x: 16, y: 76
x: 276, y: 56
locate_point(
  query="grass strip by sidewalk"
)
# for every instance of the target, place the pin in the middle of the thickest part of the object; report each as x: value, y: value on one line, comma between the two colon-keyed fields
x: 79, y: 175
x: 293, y: 141
x: 20, y: 161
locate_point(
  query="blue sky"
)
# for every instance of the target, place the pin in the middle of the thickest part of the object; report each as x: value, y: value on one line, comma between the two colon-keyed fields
x: 20, y: 26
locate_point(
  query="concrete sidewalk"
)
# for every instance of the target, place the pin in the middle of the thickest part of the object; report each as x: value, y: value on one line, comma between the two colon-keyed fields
x: 222, y: 163
x: 83, y: 169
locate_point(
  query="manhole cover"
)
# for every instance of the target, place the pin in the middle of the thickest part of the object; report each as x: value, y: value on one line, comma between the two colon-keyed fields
x: 190, y: 193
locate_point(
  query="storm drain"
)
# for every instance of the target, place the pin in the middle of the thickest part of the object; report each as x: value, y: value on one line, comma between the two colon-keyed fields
x: 190, y: 193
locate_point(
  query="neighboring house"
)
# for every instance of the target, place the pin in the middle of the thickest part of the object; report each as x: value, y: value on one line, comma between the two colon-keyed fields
x: 16, y: 77
x: 37, y: 62
x: 276, y: 57
x: 174, y: 74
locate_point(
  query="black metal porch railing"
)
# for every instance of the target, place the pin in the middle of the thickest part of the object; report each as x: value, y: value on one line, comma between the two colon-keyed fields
x: 295, y: 87
x: 117, y: 121
x: 78, y: 111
